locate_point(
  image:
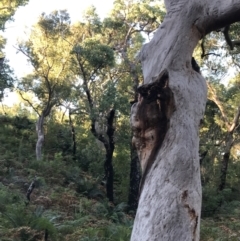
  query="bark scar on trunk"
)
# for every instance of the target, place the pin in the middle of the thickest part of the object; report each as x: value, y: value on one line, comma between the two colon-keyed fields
x: 150, y: 120
x: 194, y: 217
x: 191, y: 212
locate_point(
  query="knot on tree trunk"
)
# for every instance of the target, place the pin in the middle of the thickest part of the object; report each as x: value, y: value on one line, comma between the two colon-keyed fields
x: 150, y: 119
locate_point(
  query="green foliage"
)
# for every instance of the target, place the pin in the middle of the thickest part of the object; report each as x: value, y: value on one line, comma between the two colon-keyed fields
x: 6, y: 77
x: 15, y: 215
x: 219, y: 229
x: 110, y: 233
x: 17, y: 137
x: 55, y: 24
x: 97, y: 54
x: 7, y: 10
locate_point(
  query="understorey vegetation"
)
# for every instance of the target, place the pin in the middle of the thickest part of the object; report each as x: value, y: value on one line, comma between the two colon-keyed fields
x: 69, y: 160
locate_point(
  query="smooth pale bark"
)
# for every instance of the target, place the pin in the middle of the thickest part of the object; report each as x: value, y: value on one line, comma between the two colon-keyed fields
x: 40, y: 135
x: 39, y: 127
x: 170, y: 201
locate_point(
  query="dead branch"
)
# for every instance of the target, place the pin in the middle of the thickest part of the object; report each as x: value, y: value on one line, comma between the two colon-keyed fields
x: 203, y: 51
x: 30, y: 189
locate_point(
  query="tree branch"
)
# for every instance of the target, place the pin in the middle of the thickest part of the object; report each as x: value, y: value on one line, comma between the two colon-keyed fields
x: 27, y: 100
x: 223, y: 13
x: 235, y: 120
x: 227, y: 37
x: 215, y: 99
x: 8, y: 8
x: 237, y: 64
x: 236, y: 42
x: 203, y: 51
x: 231, y: 43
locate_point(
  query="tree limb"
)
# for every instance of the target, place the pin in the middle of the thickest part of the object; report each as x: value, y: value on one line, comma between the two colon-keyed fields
x: 215, y: 99
x: 27, y: 100
x: 223, y: 13
x: 235, y: 120
x: 227, y: 37
x: 231, y: 43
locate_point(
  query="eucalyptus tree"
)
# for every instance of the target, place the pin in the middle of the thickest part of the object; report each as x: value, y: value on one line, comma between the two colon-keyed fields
x: 220, y: 57
x: 219, y: 138
x: 166, y: 119
x: 226, y: 108
x: 120, y: 34
x: 7, y: 11
x: 49, y: 55
x: 6, y: 77
x: 91, y: 59
x: 128, y: 26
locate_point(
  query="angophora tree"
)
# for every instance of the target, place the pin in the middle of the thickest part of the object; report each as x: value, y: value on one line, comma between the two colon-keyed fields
x: 166, y: 119
x: 49, y: 56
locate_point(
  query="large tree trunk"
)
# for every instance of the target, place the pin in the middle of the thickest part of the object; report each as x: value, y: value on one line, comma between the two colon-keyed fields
x: 166, y: 120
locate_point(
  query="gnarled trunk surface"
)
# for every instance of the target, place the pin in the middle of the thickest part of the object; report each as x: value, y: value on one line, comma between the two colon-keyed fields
x: 166, y: 119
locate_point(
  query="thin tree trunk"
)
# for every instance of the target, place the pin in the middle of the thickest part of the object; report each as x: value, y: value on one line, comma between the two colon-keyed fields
x: 224, y: 168
x: 166, y: 120
x: 109, y: 155
x: 109, y: 146
x: 107, y: 142
x: 40, y: 136
x: 40, y: 129
x: 74, y: 144
x: 135, y: 177
x: 225, y: 161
